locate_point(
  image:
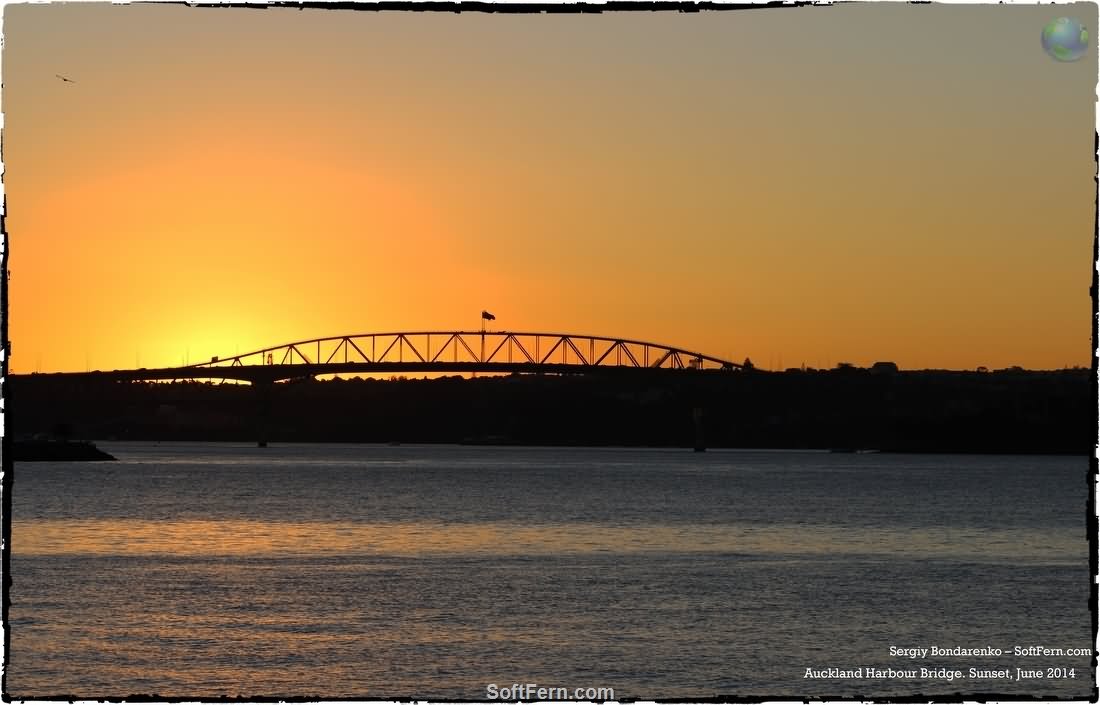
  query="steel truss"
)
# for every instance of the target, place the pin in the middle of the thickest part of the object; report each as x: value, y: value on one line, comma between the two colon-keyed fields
x: 436, y: 348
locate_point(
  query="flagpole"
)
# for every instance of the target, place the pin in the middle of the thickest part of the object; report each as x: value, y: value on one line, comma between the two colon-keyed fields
x: 482, y: 359
x: 485, y: 316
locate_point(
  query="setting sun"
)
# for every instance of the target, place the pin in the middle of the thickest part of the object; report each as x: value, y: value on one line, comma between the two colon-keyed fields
x: 398, y: 171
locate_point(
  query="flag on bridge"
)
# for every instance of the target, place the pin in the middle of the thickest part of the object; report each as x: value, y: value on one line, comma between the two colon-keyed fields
x: 488, y: 316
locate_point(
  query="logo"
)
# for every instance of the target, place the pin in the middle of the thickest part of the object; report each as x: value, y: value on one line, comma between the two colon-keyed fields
x: 1065, y: 39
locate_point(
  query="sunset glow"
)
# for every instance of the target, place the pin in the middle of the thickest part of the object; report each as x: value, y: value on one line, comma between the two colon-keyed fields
x: 893, y: 183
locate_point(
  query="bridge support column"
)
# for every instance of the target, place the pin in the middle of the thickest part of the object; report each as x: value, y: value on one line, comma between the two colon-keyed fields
x: 263, y: 411
x: 700, y: 441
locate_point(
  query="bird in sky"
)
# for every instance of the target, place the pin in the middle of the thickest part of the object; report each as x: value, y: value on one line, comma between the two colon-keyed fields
x: 66, y: 80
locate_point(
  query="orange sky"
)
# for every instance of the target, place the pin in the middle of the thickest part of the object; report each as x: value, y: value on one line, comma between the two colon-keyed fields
x: 811, y: 185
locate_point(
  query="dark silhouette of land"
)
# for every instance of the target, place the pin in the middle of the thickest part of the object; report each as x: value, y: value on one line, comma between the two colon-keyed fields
x: 1004, y: 411
x: 57, y: 450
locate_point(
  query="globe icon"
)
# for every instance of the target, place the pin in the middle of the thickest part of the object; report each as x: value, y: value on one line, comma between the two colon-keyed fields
x: 1065, y: 39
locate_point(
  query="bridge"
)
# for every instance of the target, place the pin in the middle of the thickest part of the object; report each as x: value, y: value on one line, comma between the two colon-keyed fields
x: 453, y: 352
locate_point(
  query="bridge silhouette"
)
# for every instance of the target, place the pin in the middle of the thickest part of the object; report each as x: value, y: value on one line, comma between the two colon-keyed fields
x: 432, y: 352
x: 454, y: 352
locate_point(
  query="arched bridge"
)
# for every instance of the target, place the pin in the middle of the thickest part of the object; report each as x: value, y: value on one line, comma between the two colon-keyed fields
x: 438, y: 351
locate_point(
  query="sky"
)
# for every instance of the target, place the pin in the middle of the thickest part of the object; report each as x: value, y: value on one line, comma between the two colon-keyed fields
x: 812, y: 185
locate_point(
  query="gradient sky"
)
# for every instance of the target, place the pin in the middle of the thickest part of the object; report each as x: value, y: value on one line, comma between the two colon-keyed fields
x: 810, y: 185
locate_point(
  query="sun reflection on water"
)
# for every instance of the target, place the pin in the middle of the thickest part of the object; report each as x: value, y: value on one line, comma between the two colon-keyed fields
x: 266, y: 538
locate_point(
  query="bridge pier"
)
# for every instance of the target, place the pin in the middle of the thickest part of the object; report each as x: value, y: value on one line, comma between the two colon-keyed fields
x: 700, y: 441
x: 263, y: 411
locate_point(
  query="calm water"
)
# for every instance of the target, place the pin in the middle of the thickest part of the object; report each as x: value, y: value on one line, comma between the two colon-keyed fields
x: 374, y: 572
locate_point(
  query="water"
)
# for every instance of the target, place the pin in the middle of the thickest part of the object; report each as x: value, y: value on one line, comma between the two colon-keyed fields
x: 427, y: 571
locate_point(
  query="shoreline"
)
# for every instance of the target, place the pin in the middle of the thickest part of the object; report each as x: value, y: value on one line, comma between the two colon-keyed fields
x: 275, y: 444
